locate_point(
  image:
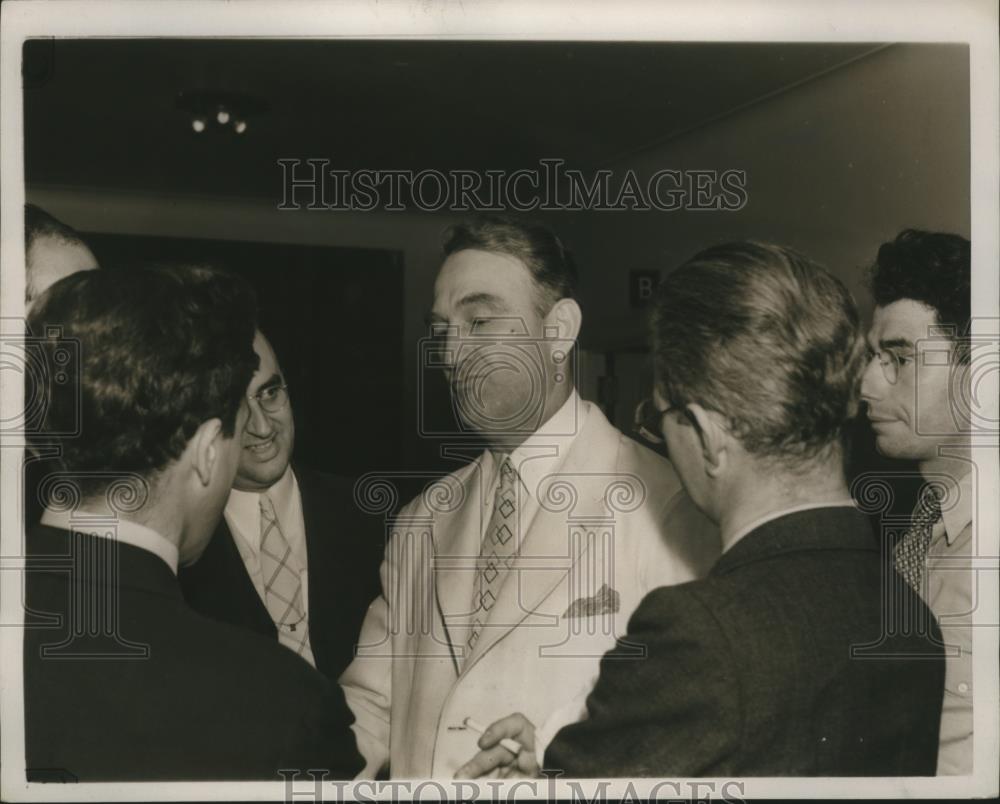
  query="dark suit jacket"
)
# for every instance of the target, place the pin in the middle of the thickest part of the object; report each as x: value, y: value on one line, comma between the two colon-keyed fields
x: 344, y: 552
x: 165, y: 694
x: 750, y: 672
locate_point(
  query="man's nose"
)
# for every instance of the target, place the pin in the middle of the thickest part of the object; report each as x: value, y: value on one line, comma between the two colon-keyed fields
x: 258, y: 424
x: 450, y: 345
x: 872, y: 380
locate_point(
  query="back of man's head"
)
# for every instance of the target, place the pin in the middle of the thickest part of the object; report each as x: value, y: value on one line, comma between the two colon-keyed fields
x: 52, y: 250
x: 161, y: 351
x: 933, y: 268
x: 769, y: 340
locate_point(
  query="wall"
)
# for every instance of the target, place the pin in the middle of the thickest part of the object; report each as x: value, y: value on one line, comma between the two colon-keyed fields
x: 418, y: 236
x: 834, y: 167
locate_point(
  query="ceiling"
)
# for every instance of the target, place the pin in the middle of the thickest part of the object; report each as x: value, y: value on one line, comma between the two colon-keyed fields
x: 102, y: 112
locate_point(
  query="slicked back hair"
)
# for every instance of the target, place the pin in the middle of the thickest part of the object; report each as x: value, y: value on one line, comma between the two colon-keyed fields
x: 549, y: 262
x: 768, y: 339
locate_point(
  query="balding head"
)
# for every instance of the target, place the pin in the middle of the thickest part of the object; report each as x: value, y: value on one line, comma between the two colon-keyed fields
x: 52, y: 250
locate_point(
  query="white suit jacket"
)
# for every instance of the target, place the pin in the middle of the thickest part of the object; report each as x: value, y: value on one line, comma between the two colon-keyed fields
x: 610, y: 525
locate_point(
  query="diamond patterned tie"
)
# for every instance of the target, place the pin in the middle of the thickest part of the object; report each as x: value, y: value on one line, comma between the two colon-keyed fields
x: 282, y: 583
x: 911, y: 551
x: 496, y: 553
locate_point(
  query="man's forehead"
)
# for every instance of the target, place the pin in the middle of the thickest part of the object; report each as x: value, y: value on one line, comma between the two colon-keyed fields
x: 906, y: 319
x: 471, y: 273
x: 268, y: 365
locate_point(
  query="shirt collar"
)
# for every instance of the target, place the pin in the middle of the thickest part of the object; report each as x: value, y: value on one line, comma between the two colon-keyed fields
x: 544, y: 451
x: 957, y: 517
x: 105, y: 526
x: 243, y: 507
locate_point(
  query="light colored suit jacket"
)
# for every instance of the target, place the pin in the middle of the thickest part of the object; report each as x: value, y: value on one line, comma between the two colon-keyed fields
x: 611, y: 525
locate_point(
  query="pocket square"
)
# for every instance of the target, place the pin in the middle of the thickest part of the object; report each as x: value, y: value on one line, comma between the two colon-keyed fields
x: 606, y: 601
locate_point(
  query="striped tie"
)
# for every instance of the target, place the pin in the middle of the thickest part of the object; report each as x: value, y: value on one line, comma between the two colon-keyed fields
x: 910, y: 554
x: 497, y: 550
x: 282, y: 583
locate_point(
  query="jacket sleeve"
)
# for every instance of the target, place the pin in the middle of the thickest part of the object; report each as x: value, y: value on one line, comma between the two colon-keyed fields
x: 675, y: 712
x: 323, y: 738
x: 367, y: 681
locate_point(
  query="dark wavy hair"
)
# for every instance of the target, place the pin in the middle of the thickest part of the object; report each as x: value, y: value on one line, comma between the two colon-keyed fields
x: 161, y: 350
x: 768, y: 339
x: 933, y: 268
x: 550, y: 263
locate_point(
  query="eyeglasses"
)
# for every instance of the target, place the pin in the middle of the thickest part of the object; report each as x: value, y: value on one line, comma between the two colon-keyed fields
x: 271, y: 398
x: 647, y: 421
x: 891, y: 363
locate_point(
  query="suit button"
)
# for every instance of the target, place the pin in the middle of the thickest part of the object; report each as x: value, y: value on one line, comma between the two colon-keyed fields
x: 963, y: 687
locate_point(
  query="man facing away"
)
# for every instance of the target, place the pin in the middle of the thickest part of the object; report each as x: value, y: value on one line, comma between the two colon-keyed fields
x: 505, y: 582
x: 122, y: 681
x: 780, y: 662
x: 293, y: 558
x: 914, y: 387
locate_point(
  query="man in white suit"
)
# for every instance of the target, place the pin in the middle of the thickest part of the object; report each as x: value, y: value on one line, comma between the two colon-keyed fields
x: 505, y: 582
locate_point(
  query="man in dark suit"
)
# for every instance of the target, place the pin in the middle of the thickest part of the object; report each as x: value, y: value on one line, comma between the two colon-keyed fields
x: 293, y: 558
x: 784, y: 660
x: 123, y: 681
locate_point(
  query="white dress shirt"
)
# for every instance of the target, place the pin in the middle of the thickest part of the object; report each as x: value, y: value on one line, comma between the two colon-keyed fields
x: 540, y: 454
x: 242, y: 514
x: 106, y: 526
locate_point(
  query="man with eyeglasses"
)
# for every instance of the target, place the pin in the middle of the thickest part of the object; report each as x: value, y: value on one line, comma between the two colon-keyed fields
x: 293, y: 558
x: 779, y: 662
x: 916, y: 380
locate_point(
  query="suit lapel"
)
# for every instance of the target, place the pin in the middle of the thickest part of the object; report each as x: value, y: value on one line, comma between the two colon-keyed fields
x: 547, y: 554
x: 456, y: 538
x: 319, y: 515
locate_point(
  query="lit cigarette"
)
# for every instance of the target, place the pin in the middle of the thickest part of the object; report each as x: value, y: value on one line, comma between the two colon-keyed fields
x: 511, y: 745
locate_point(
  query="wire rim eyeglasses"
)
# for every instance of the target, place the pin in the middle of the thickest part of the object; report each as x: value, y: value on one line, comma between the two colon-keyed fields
x: 271, y: 398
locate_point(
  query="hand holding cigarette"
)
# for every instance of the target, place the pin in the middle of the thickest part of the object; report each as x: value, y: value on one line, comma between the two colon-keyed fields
x: 511, y: 745
x: 507, y: 745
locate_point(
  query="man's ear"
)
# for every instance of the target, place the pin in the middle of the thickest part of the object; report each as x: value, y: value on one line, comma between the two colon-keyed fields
x: 712, y: 434
x: 566, y: 317
x: 205, y: 449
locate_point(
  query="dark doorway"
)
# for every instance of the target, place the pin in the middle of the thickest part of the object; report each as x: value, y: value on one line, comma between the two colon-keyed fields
x: 335, y: 318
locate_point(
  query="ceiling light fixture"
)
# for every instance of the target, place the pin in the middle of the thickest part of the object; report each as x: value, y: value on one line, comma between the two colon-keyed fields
x: 227, y: 111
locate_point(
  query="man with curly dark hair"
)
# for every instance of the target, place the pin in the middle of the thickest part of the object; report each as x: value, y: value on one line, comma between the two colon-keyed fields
x: 917, y: 386
x: 122, y: 681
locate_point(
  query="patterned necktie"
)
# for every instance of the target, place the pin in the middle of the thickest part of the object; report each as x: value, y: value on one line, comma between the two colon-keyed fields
x: 496, y: 553
x: 282, y: 582
x: 910, y: 554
